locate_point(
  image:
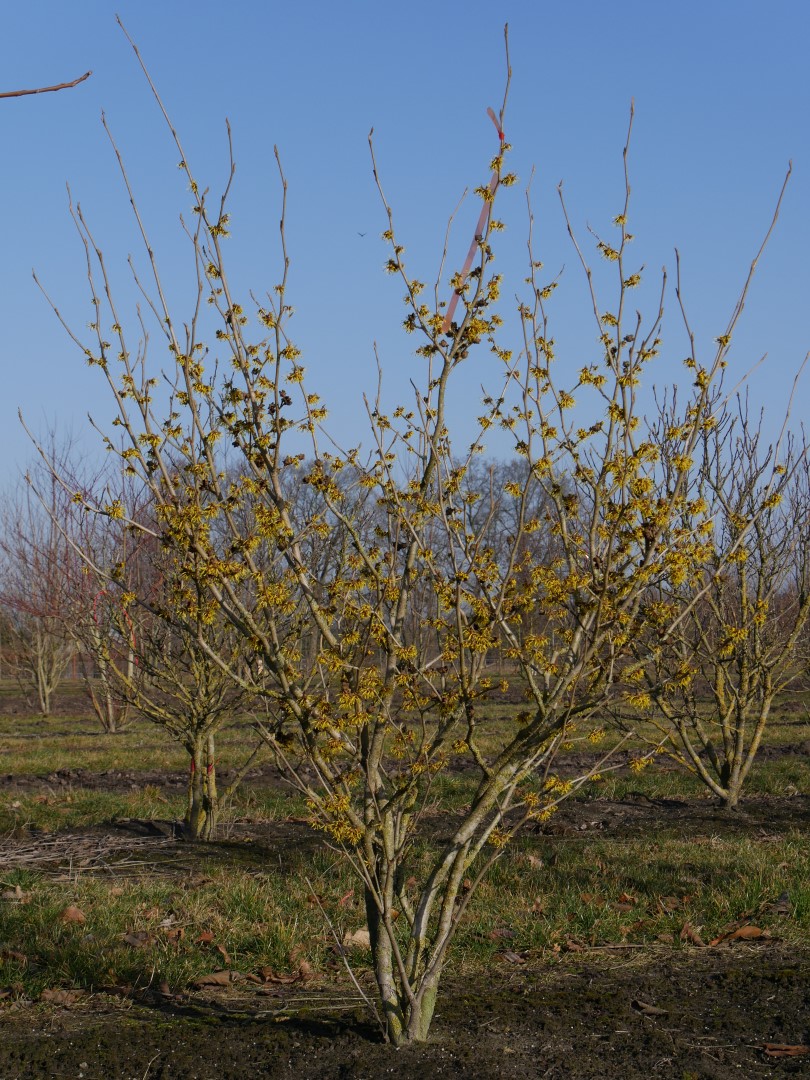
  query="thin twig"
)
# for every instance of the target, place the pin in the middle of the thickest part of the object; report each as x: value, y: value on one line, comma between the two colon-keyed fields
x: 46, y: 89
x: 343, y: 956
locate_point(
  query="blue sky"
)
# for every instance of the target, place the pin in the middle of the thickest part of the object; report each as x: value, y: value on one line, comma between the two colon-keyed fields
x: 722, y: 102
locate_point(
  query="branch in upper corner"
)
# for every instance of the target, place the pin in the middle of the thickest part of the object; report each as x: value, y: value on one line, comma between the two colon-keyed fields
x: 46, y: 89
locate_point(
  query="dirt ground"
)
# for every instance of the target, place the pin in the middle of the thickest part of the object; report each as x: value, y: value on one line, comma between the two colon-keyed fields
x: 675, y: 1016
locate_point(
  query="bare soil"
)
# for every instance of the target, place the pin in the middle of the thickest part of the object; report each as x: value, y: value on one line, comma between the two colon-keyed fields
x: 688, y: 1017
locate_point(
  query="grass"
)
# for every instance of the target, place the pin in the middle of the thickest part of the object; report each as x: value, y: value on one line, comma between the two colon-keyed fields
x: 538, y: 900
x: 263, y: 903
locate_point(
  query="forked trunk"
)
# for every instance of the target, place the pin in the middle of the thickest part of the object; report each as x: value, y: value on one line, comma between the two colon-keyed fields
x: 407, y: 1016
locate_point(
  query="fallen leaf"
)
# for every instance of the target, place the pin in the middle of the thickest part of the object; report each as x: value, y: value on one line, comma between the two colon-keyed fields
x: 73, y: 914
x: 538, y: 907
x: 688, y: 933
x: 139, y: 939
x: 534, y: 861
x: 223, y: 952
x: 572, y: 945
x: 746, y: 932
x: 669, y: 903
x: 220, y: 978
x: 786, y: 1049
x: 780, y: 906
x: 61, y: 997
x: 749, y: 932
x: 357, y: 939
x: 501, y: 932
x: 16, y: 896
x: 205, y: 938
x: 513, y: 957
x: 175, y: 934
x: 346, y: 898
x: 268, y: 975
x: 667, y: 938
x: 626, y: 898
x: 646, y: 1009
x: 12, y: 954
x: 634, y: 927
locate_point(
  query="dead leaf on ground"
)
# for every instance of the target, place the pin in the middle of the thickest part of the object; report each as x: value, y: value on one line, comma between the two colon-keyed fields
x: 357, y: 939
x: 786, y: 1049
x: 270, y: 976
x: 668, y: 904
x: 175, y: 934
x: 62, y: 997
x: 690, y: 934
x: 572, y: 945
x: 346, y: 898
x: 139, y: 939
x: 220, y: 978
x: 538, y: 907
x: 646, y: 1009
x: 666, y: 938
x: 749, y: 932
x: 205, y: 938
x: 633, y: 928
x: 16, y: 896
x: 626, y: 898
x: 780, y: 906
x: 746, y: 932
x: 592, y: 898
x: 12, y: 954
x: 223, y: 952
x: 501, y: 933
x: 534, y: 861
x: 73, y: 914
x: 513, y: 957
x: 304, y: 972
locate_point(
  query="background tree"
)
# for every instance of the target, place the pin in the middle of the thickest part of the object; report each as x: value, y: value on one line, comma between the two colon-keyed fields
x: 726, y: 640
x: 36, y: 566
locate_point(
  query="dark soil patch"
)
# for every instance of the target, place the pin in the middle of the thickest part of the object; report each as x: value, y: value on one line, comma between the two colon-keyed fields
x: 634, y: 816
x: 593, y: 1018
